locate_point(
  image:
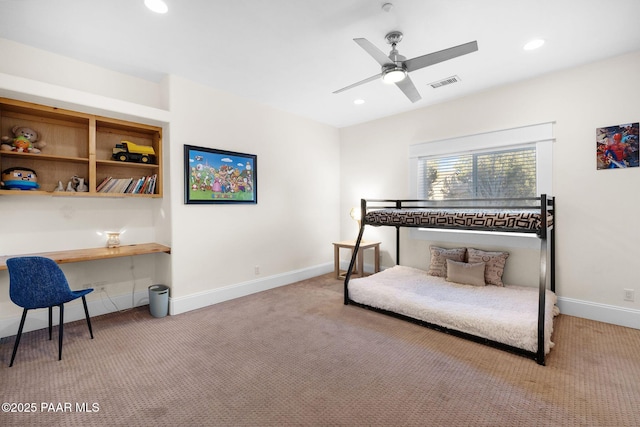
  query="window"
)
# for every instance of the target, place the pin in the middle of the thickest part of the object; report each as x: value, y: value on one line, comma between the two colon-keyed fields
x: 507, y: 163
x: 490, y: 174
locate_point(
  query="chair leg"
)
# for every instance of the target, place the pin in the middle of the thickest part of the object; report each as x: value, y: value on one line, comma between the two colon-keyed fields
x: 15, y: 346
x: 60, y: 331
x: 86, y: 313
x: 50, y: 321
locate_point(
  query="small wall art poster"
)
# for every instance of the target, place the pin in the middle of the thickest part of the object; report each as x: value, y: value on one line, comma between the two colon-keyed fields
x: 219, y: 176
x: 617, y: 146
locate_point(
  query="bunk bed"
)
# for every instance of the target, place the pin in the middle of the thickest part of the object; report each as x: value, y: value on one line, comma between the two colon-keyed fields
x: 402, y: 291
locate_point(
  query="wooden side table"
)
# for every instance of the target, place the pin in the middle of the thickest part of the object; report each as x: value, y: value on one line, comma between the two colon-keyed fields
x: 359, y: 267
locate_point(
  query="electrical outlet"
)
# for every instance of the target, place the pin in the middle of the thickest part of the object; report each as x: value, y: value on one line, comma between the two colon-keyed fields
x: 98, y: 286
x: 257, y: 270
x: 629, y: 295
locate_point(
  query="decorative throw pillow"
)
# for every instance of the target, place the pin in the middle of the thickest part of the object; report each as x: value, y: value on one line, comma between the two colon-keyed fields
x: 439, y: 257
x: 494, y: 261
x: 465, y: 273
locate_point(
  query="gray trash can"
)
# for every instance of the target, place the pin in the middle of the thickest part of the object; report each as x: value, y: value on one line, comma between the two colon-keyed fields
x: 158, y: 300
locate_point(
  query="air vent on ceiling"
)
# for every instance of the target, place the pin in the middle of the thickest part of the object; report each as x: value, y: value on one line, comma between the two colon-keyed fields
x: 444, y: 82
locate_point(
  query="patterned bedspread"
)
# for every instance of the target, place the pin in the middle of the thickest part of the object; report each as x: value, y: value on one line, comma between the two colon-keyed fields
x: 461, y: 218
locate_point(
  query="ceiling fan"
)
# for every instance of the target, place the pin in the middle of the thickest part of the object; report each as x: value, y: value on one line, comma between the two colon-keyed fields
x: 395, y: 67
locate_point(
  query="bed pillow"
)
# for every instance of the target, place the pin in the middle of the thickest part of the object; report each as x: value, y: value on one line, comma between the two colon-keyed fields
x: 495, y: 262
x: 439, y: 257
x: 466, y: 273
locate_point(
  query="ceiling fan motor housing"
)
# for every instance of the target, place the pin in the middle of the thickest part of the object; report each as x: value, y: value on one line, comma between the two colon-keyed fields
x: 393, y: 38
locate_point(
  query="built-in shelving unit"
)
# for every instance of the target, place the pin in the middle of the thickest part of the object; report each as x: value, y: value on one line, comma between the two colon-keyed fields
x: 78, y: 144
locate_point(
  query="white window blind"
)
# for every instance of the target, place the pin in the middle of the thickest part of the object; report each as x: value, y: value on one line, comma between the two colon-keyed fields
x: 503, y: 173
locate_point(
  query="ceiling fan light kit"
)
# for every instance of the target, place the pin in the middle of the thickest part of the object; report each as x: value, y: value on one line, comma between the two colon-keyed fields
x: 396, y: 68
x: 393, y: 75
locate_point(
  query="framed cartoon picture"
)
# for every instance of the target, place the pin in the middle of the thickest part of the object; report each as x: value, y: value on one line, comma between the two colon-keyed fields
x: 617, y: 146
x: 218, y: 176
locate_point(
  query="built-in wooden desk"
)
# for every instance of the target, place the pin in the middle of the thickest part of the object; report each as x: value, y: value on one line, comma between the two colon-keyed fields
x: 78, y: 255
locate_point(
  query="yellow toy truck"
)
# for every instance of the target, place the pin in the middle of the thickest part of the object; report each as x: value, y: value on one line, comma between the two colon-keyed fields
x: 127, y: 151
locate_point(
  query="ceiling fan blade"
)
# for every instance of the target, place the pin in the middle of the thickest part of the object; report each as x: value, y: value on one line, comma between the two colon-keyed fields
x: 440, y: 56
x: 409, y: 89
x: 361, y: 82
x: 372, y: 50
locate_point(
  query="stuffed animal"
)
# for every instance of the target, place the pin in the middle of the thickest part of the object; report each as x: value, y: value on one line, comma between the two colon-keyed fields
x: 24, y: 140
x: 19, y: 178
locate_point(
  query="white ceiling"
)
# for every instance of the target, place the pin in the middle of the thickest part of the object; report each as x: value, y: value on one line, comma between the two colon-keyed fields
x: 292, y: 54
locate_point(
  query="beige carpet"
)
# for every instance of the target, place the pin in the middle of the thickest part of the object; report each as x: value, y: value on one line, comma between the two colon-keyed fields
x: 296, y: 356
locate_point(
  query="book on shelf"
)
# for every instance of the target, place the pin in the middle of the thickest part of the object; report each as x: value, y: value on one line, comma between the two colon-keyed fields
x: 103, y: 183
x: 109, y: 185
x: 126, y: 182
x: 154, y: 178
x: 148, y: 188
x: 142, y: 185
x: 145, y: 186
x: 133, y: 186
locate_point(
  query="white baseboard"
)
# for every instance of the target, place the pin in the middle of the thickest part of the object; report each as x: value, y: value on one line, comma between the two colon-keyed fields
x: 601, y: 312
x: 214, y: 296
x: 39, y: 319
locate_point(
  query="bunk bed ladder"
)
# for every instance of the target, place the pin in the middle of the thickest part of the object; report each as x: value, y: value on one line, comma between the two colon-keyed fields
x: 542, y: 288
x: 352, y: 263
x: 398, y: 206
x: 552, y: 247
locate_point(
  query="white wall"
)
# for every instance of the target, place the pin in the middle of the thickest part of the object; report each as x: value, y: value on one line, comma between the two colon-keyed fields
x: 597, y: 232
x: 42, y: 66
x: 296, y: 217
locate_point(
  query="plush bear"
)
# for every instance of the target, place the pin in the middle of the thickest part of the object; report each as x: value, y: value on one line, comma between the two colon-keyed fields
x: 24, y: 140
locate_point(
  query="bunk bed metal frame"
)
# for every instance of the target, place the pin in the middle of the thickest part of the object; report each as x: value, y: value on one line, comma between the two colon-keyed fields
x: 543, y: 204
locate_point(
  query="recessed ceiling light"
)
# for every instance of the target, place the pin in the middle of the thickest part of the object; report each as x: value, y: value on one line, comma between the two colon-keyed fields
x: 158, y: 6
x: 533, y: 44
x: 359, y: 101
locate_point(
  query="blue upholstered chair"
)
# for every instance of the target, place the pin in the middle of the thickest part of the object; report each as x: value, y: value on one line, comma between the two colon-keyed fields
x: 37, y: 282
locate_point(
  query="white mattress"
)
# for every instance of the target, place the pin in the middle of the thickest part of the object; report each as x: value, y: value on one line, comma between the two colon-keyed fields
x: 508, y: 315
